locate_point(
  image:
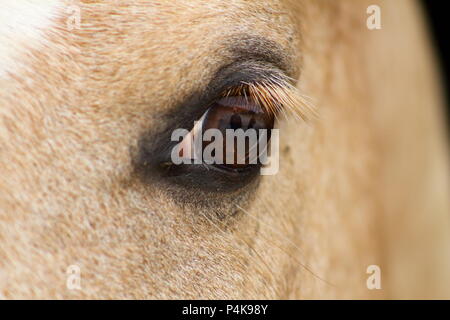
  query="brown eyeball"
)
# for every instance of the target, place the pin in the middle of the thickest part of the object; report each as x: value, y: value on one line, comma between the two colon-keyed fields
x: 246, y: 120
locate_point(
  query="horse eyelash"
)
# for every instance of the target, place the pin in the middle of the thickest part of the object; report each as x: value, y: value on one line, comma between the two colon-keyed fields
x: 277, y: 96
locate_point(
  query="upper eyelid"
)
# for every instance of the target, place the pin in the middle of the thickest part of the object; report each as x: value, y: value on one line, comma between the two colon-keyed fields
x: 227, y: 77
x: 244, y: 102
x: 256, y: 48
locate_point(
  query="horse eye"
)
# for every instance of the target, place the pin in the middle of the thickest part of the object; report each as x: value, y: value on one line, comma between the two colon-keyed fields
x: 244, y: 120
x: 237, y: 113
x: 225, y: 148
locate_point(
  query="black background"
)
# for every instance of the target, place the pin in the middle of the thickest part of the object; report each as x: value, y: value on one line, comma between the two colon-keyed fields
x: 438, y: 19
x: 164, y: 309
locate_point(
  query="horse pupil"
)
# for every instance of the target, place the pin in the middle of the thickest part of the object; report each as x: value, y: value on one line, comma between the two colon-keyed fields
x: 235, y: 121
x: 236, y: 116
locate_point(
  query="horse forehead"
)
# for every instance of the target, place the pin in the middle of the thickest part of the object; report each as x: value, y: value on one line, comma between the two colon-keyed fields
x: 23, y: 24
x: 28, y: 26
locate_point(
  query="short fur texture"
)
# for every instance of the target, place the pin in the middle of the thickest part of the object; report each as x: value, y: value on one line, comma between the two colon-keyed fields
x: 364, y: 183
